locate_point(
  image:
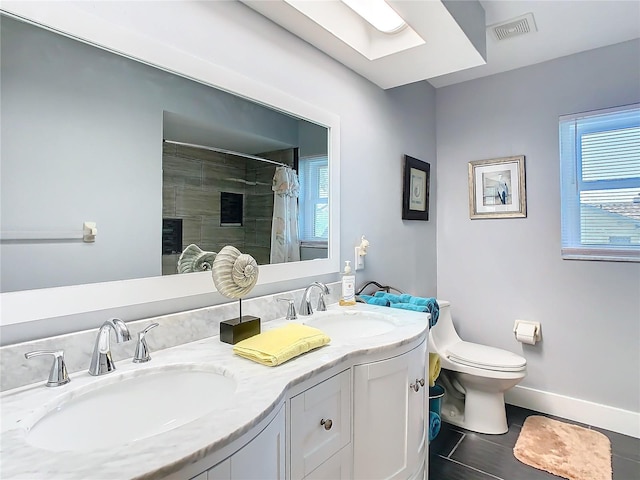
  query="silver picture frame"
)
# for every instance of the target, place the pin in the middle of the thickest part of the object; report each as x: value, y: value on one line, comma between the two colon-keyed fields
x: 497, y: 188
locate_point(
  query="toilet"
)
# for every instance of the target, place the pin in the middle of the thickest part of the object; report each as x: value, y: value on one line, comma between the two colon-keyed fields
x: 474, y: 377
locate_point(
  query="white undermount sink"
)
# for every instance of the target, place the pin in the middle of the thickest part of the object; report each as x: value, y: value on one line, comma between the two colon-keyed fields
x: 128, y: 407
x: 350, y: 324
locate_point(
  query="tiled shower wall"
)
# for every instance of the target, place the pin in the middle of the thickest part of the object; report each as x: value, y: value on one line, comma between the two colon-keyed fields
x: 192, y: 181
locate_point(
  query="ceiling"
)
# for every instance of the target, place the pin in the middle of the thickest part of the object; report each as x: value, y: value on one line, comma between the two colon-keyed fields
x: 179, y: 128
x: 456, y: 35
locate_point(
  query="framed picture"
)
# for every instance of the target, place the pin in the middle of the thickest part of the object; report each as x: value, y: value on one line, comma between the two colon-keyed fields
x: 497, y: 188
x: 415, y: 194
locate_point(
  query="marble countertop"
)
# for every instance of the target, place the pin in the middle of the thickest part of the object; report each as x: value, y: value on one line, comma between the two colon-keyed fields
x: 260, y: 389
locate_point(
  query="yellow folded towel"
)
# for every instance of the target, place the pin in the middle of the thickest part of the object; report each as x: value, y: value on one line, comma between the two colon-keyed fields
x: 276, y: 346
x: 434, y: 368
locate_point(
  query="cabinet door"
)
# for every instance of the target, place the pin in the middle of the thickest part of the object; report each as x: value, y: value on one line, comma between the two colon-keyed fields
x: 320, y: 423
x: 263, y: 457
x: 222, y: 471
x: 418, y: 406
x: 337, y: 467
x: 388, y: 439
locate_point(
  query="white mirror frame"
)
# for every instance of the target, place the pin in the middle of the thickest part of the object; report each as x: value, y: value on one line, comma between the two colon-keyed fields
x: 64, y: 18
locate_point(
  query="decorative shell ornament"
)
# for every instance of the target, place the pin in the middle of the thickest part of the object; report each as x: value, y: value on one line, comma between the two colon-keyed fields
x: 234, y: 273
x: 193, y: 259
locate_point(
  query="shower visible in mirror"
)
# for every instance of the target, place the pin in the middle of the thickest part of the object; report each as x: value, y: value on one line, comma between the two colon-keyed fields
x: 218, y: 196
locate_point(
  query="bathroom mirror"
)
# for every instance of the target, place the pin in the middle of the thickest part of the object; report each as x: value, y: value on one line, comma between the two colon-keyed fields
x: 112, y: 173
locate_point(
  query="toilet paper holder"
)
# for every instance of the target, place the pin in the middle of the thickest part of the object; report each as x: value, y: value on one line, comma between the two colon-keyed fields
x: 527, y: 332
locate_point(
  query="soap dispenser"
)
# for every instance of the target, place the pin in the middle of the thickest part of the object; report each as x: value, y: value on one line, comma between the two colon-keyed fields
x: 348, y: 296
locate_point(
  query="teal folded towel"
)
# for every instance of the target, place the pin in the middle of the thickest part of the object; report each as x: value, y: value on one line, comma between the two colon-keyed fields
x: 418, y: 301
x: 432, y: 307
x: 406, y: 302
x: 392, y: 298
x: 383, y: 302
x: 434, y: 425
x: 409, y: 306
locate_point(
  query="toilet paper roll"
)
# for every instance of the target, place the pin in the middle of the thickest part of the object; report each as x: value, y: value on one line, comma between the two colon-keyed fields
x: 526, y: 333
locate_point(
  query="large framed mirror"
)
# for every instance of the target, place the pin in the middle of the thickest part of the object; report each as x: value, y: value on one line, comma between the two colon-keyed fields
x: 117, y: 139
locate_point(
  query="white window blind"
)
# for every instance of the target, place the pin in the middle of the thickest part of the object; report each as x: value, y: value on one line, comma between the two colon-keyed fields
x: 314, y: 199
x: 600, y: 184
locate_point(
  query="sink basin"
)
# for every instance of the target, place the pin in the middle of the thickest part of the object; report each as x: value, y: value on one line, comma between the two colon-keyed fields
x: 351, y: 324
x: 129, y: 407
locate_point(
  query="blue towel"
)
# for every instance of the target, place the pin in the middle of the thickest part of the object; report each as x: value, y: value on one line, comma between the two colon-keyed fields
x: 383, y: 302
x: 405, y: 298
x: 432, y: 307
x: 409, y: 306
x: 392, y: 298
x: 406, y: 302
x: 418, y: 301
x: 434, y: 425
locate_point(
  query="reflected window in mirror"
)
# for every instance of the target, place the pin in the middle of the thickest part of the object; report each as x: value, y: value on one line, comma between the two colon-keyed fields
x: 314, y: 206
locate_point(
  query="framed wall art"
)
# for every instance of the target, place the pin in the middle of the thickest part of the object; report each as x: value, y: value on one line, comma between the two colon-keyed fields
x: 497, y: 188
x: 415, y: 194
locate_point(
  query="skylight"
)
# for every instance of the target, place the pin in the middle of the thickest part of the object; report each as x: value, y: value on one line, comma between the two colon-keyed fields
x: 341, y: 20
x: 378, y: 13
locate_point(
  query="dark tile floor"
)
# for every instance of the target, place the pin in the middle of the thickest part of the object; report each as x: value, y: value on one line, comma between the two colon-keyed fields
x: 458, y: 454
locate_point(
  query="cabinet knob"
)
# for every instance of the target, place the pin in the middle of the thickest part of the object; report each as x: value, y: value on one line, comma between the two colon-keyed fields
x: 327, y: 423
x: 416, y: 386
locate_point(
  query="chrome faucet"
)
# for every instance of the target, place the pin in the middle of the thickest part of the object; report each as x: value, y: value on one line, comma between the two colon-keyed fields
x: 101, y: 361
x: 291, y: 309
x: 58, y: 374
x: 142, y: 349
x: 305, y: 306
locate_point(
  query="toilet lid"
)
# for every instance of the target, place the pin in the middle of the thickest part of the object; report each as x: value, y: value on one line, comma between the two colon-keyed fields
x: 489, y: 358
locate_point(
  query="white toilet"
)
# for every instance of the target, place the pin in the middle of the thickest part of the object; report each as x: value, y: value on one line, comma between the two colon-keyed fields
x: 474, y: 376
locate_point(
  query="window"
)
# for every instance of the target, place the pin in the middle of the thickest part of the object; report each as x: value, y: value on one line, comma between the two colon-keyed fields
x: 600, y: 184
x: 314, y: 199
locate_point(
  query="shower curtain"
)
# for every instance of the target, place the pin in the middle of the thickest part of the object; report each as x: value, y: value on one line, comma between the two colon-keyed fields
x: 285, y: 244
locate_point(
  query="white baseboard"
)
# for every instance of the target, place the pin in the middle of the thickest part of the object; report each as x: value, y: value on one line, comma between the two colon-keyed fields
x: 602, y: 416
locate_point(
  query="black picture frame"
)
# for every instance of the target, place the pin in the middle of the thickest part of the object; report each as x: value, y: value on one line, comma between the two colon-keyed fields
x: 415, y: 192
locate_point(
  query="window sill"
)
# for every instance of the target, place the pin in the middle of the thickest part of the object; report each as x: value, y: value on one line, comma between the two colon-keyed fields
x: 605, y: 255
x: 308, y: 244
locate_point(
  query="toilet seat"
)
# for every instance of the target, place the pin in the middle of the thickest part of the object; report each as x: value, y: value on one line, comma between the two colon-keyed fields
x: 488, y: 358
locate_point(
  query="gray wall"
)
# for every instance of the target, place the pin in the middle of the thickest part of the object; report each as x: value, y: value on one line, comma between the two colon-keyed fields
x: 496, y: 271
x: 409, y: 245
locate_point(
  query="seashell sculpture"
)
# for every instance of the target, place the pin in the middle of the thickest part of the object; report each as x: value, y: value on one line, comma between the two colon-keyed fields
x: 234, y: 273
x: 194, y: 259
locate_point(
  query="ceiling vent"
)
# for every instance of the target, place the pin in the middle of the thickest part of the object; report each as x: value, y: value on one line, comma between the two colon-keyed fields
x: 515, y: 27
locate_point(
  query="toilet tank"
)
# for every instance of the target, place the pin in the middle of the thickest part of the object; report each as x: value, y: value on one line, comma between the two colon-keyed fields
x: 443, y: 333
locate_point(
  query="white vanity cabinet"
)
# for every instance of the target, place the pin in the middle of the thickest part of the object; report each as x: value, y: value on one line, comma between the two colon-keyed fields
x: 263, y: 457
x: 320, y: 434
x: 366, y: 422
x: 389, y: 440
